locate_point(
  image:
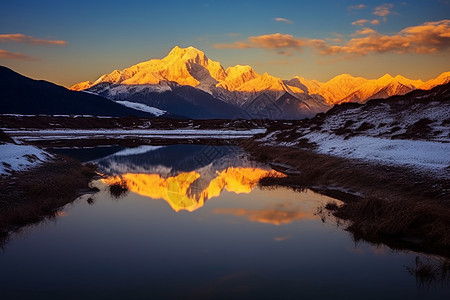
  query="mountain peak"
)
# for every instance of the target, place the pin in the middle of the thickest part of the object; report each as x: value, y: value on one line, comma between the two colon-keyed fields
x: 187, y: 54
x: 386, y: 77
x: 343, y: 76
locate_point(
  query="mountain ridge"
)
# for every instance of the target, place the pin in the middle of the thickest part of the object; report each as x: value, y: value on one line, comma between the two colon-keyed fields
x: 237, y: 84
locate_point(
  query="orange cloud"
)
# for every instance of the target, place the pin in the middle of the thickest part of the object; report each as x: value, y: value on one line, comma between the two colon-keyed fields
x: 276, y: 41
x: 364, y: 31
x: 383, y: 10
x: 284, y: 20
x: 429, y: 37
x: 360, y: 22
x: 14, y: 55
x: 21, y: 38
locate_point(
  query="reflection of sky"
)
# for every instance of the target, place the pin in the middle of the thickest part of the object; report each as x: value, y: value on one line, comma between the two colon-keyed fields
x: 144, y: 248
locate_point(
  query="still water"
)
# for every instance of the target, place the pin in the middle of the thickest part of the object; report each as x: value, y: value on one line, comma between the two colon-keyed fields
x: 194, y: 224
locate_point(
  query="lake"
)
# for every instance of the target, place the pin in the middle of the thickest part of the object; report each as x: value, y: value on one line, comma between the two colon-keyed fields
x: 191, y: 222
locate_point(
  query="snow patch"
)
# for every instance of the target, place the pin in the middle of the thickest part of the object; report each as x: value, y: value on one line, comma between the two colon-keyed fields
x: 20, y: 157
x: 142, y: 107
x: 416, y: 153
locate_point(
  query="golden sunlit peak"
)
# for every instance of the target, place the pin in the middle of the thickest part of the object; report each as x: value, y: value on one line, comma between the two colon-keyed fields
x: 386, y: 77
x: 189, y: 53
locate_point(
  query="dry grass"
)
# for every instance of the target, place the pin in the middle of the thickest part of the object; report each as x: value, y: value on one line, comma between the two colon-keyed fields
x: 28, y: 197
x: 418, y: 222
x: 430, y: 270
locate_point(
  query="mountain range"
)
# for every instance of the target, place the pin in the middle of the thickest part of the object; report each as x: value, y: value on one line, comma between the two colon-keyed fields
x: 188, y: 83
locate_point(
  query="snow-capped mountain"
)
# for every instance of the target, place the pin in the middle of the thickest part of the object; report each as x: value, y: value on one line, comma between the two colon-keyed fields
x: 444, y: 78
x: 186, y: 73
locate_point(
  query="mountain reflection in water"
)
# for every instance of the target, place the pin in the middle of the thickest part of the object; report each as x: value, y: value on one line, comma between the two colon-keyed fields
x: 180, y: 190
x: 184, y: 175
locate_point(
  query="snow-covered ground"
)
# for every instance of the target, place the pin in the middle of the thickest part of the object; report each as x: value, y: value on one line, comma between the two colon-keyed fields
x: 20, y: 157
x: 412, y: 130
x: 64, y: 134
x: 415, y: 153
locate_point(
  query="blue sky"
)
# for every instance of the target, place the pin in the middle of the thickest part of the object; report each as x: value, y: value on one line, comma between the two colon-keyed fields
x: 100, y: 36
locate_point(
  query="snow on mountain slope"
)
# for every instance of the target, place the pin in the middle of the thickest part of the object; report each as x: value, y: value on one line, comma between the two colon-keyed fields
x: 303, y: 84
x: 382, y: 87
x: 188, y: 66
x: 339, y: 87
x: 239, y: 85
x: 237, y: 76
x: 142, y: 107
x: 441, y: 79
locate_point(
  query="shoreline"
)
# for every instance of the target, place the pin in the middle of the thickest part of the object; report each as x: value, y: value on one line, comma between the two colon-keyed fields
x: 394, y: 205
x: 28, y: 197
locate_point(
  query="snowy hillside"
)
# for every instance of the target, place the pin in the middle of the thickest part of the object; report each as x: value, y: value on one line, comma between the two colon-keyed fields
x: 413, y: 129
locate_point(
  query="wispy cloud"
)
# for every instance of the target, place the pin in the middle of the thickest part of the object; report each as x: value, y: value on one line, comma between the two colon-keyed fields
x: 363, y: 22
x: 14, y: 55
x: 364, y: 31
x: 356, y: 7
x: 360, y: 22
x: 284, y: 20
x: 430, y: 37
x: 383, y: 10
x: 282, y: 43
x: 28, y: 39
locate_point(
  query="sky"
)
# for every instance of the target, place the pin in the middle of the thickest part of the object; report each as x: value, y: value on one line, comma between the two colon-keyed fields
x: 66, y: 42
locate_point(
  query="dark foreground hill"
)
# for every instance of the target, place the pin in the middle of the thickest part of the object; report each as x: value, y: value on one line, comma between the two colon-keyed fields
x: 22, y: 95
